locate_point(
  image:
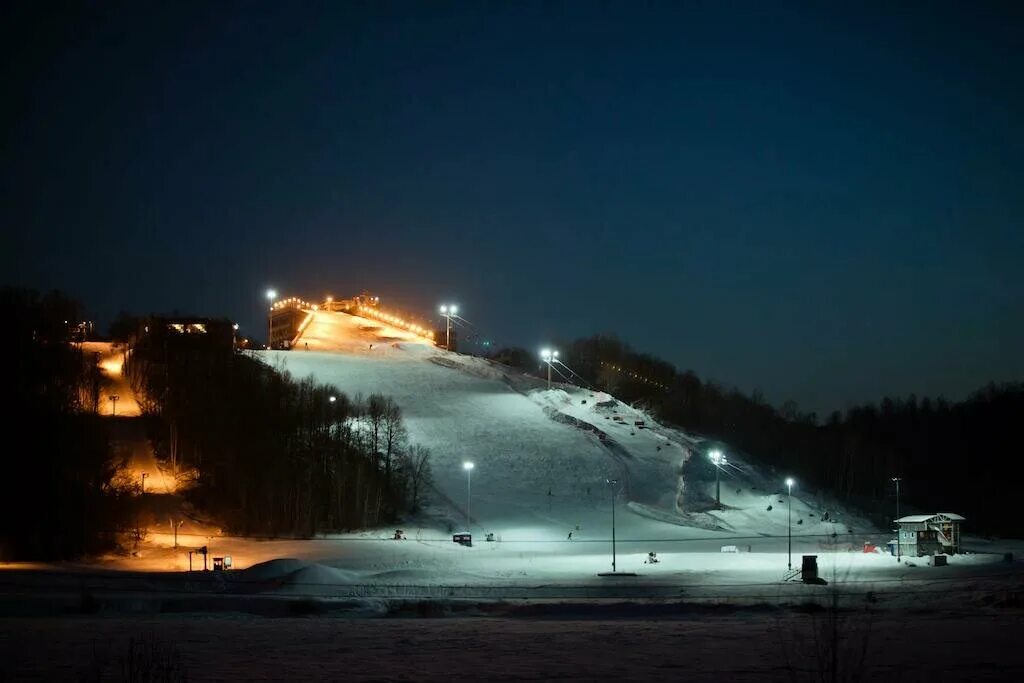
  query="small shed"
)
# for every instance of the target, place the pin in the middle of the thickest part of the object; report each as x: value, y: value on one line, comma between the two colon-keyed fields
x: 921, y: 535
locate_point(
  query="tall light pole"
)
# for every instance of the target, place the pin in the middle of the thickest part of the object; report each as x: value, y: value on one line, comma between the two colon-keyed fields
x: 718, y: 458
x: 468, y: 466
x: 448, y: 310
x: 613, y: 483
x: 144, y: 475
x: 113, y: 403
x: 897, y: 480
x: 175, y: 525
x: 271, y: 296
x: 549, y: 357
x: 789, y: 498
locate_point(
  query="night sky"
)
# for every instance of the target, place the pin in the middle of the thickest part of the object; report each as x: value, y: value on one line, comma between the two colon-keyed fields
x: 824, y: 204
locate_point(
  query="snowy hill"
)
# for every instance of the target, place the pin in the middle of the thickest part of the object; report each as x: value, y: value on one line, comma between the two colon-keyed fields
x: 543, y: 456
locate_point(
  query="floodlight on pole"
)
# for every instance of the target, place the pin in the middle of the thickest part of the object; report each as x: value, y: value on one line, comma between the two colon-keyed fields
x: 789, y: 535
x: 175, y: 525
x: 271, y: 296
x: 719, y: 460
x: 897, y: 480
x: 468, y: 466
x: 448, y: 310
x: 613, y: 483
x: 549, y: 356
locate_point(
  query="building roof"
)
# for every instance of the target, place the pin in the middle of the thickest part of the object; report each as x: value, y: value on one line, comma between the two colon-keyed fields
x: 915, y: 518
x: 949, y: 516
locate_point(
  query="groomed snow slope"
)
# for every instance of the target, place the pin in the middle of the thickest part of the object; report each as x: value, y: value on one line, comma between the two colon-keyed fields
x: 542, y: 456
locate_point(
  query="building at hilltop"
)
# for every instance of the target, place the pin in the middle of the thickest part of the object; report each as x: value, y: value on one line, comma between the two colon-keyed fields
x: 183, y: 332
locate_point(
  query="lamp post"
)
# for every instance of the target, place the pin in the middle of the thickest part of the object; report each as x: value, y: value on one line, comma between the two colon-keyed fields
x: 789, y: 535
x: 613, y: 483
x: 468, y: 466
x: 897, y: 481
x: 448, y: 310
x: 718, y: 458
x: 549, y: 357
x: 113, y: 403
x: 271, y: 296
x: 175, y: 525
x: 144, y: 475
x: 234, y: 336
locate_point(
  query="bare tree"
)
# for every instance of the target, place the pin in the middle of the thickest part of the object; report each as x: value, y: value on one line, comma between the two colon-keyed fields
x: 418, y: 460
x: 393, y: 435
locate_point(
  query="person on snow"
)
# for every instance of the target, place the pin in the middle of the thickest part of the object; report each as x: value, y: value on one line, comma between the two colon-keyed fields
x: 570, y: 535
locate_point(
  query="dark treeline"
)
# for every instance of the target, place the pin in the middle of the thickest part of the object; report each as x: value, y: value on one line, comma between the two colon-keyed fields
x: 55, y: 499
x: 273, y: 455
x: 951, y: 456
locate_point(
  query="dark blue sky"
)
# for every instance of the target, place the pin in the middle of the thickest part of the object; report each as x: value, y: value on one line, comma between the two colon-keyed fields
x: 824, y: 204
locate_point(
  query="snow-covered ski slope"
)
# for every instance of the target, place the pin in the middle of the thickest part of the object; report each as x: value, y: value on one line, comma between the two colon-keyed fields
x: 543, y: 457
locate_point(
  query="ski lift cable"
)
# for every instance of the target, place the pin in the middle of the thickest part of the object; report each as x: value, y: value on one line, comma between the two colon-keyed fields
x: 577, y: 375
x: 567, y: 379
x: 571, y: 371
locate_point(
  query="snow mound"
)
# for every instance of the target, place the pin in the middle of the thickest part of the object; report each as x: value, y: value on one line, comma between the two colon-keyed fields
x: 274, y: 569
x: 317, y: 579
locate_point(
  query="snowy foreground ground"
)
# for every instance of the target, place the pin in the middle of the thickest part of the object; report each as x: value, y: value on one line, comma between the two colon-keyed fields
x: 718, y: 646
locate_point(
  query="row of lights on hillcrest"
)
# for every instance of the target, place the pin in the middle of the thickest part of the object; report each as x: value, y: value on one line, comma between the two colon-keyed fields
x: 448, y: 311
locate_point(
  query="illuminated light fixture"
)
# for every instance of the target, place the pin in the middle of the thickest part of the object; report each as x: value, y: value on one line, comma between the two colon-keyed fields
x: 448, y: 310
x: 271, y: 295
x: 549, y: 356
x: 719, y: 460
